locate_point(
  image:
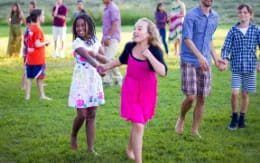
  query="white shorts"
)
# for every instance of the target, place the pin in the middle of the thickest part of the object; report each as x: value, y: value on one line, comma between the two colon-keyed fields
x: 59, y: 32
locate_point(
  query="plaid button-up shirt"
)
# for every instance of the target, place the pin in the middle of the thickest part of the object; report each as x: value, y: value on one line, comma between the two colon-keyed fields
x: 240, y: 49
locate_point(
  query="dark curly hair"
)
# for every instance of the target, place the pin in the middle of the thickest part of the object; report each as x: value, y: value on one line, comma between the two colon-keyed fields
x: 89, y: 22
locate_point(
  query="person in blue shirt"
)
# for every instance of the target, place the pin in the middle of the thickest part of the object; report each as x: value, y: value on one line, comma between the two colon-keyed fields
x: 240, y: 50
x: 197, y: 51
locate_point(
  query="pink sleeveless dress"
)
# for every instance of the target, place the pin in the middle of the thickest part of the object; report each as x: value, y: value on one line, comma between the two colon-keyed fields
x: 139, y: 92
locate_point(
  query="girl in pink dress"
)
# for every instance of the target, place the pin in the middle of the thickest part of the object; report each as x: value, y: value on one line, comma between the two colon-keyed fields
x: 144, y: 57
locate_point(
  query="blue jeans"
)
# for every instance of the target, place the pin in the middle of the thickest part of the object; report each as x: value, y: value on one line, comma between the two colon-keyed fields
x: 163, y: 36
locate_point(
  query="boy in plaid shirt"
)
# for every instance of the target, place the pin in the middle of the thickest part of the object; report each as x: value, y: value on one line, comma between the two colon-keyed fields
x: 240, y: 50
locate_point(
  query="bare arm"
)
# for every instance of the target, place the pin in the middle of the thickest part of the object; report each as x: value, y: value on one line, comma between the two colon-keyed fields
x: 39, y: 44
x: 220, y: 63
x: 183, y: 10
x: 55, y: 13
x: 87, y: 55
x: 100, y: 56
x: 202, y: 60
x: 213, y: 52
x: 61, y: 16
x: 158, y: 67
x: 113, y: 64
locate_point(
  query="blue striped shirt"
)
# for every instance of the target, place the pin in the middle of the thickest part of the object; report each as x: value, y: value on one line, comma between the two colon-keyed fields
x: 240, y: 49
x: 199, y: 28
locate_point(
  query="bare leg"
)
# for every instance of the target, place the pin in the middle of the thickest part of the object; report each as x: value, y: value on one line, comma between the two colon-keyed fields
x: 28, y: 89
x: 129, y: 150
x: 62, y: 49
x: 185, y: 107
x: 197, y: 115
x: 245, y: 101
x: 41, y: 90
x: 55, y: 49
x: 78, y: 121
x: 176, y: 47
x: 90, y: 128
x: 234, y: 100
x: 24, y: 81
x: 137, y: 143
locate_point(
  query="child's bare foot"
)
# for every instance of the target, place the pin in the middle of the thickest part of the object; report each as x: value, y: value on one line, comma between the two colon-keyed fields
x: 27, y: 98
x: 196, y: 133
x: 130, y: 154
x: 73, y: 143
x: 93, y: 152
x: 46, y: 98
x: 179, y: 126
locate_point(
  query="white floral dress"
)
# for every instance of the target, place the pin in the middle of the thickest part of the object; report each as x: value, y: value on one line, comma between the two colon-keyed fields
x: 86, y: 87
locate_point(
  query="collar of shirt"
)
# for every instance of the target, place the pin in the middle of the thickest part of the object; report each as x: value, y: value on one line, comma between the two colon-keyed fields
x: 238, y: 23
x: 109, y: 5
x: 211, y: 12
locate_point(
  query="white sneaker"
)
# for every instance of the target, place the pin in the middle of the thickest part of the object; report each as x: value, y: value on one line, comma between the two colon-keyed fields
x: 55, y: 54
x: 62, y: 54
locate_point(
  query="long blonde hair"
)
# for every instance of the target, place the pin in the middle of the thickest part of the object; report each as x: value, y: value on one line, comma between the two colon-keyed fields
x: 154, y: 36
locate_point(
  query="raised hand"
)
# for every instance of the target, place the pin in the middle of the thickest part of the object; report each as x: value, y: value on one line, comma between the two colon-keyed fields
x: 146, y: 53
x: 47, y: 42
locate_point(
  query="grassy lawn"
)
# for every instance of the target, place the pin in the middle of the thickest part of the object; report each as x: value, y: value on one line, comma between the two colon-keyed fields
x: 39, y: 131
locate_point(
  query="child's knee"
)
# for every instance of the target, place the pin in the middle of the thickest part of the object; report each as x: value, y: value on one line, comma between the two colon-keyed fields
x: 91, y: 115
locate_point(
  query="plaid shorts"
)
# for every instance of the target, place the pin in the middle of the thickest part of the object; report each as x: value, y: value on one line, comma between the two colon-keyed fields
x: 195, y: 81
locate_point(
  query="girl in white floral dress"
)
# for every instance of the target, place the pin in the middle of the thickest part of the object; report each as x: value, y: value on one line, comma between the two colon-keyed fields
x: 86, y: 91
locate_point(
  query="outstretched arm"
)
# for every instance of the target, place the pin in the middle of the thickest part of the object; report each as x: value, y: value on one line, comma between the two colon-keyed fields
x: 100, y: 56
x: 221, y: 64
x: 39, y: 44
x: 112, y: 64
x: 87, y: 55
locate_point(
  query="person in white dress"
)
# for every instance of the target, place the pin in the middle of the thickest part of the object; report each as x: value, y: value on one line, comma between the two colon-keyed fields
x: 86, y: 91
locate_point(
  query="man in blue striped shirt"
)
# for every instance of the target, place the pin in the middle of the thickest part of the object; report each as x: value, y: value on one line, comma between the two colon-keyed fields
x: 197, y: 51
x: 240, y: 50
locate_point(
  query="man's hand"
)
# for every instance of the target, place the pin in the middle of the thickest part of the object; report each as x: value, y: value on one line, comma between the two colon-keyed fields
x: 203, y: 63
x: 107, y: 42
x: 221, y: 64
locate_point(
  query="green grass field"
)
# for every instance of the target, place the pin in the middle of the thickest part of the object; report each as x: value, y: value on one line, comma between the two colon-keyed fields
x: 39, y: 131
